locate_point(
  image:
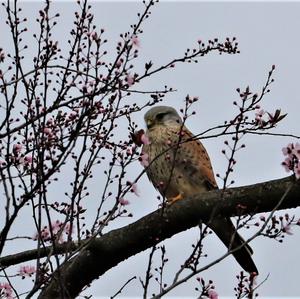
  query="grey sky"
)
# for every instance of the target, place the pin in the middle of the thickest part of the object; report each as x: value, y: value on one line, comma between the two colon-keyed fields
x: 268, y: 33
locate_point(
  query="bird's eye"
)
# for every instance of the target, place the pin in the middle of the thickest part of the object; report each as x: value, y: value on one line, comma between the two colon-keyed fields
x: 160, y: 116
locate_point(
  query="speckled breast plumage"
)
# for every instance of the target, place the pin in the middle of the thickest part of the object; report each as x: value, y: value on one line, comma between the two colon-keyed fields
x: 174, y: 164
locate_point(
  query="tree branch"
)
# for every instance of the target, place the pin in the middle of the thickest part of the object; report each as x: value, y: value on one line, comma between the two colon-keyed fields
x: 107, y: 251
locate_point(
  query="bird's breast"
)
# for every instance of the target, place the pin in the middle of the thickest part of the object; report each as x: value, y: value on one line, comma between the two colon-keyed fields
x: 162, y: 170
x: 176, y: 166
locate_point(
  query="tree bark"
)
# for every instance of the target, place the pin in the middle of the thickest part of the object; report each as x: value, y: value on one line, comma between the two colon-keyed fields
x: 105, y: 252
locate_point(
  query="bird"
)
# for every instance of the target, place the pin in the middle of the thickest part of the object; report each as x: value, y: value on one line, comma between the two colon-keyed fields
x: 179, y: 166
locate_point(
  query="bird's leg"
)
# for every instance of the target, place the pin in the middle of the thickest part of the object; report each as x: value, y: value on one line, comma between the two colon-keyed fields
x: 173, y: 199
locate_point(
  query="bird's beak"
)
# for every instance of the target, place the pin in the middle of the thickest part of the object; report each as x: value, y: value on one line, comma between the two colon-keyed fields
x: 149, y: 123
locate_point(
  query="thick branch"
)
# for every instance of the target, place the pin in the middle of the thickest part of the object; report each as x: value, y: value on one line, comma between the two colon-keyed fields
x: 106, y: 252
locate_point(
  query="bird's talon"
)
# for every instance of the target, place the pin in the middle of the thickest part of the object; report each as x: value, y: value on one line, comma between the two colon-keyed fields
x: 171, y: 200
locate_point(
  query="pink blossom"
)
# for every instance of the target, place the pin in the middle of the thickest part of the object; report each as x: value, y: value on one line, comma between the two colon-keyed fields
x: 99, y: 107
x: 119, y: 63
x: 130, y: 79
x: 68, y: 228
x: 123, y: 201
x: 105, y: 78
x: 135, y: 41
x: 50, y: 121
x: 57, y: 230
x: 56, y: 226
x: 259, y: 114
x: 47, y: 131
x: 94, y: 35
x: 59, y: 227
x: 134, y: 188
x: 27, y: 271
x: 212, y: 294
x: 287, y: 164
x: 17, y: 148
x: 6, y: 290
x: 287, y: 229
x: 84, y: 88
x: 44, y: 234
x: 287, y: 150
x: 292, y: 161
x: 72, y: 115
x: 259, y: 117
x: 28, y: 159
x: 145, y: 139
x: 91, y: 84
x: 144, y: 159
x: 130, y: 150
x: 296, y: 150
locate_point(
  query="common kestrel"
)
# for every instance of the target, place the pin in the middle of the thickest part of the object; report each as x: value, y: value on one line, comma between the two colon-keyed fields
x: 179, y: 169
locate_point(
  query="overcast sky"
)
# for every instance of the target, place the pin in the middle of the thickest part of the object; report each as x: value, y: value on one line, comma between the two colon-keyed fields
x: 268, y: 33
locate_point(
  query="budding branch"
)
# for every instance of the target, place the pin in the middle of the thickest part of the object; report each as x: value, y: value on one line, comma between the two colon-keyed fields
x: 103, y: 253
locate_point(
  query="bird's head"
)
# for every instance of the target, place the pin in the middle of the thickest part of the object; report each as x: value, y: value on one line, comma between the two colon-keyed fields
x: 162, y: 116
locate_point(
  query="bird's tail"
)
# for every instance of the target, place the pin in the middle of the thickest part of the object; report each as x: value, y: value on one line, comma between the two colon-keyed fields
x: 226, y: 231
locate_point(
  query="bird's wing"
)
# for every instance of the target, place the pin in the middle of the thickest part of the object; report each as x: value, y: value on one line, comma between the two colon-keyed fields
x: 191, y: 159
